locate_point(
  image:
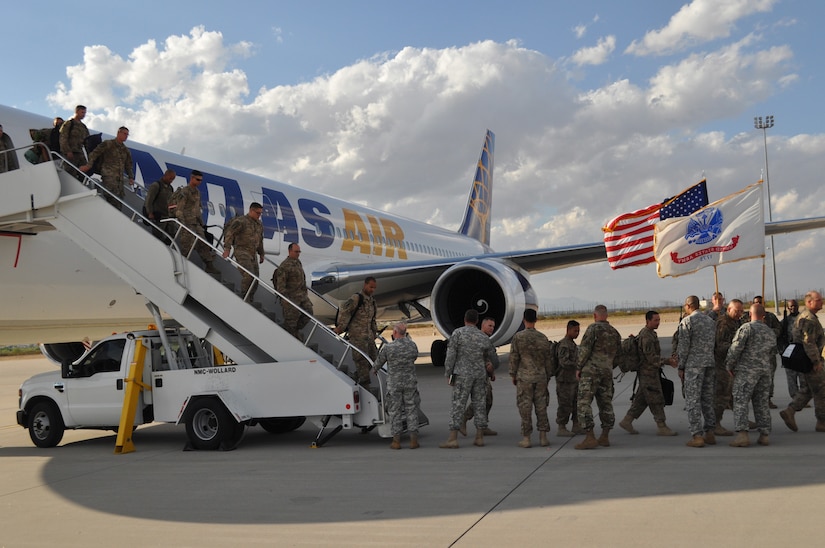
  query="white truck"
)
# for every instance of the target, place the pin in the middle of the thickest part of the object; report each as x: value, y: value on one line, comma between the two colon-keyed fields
x: 172, y: 376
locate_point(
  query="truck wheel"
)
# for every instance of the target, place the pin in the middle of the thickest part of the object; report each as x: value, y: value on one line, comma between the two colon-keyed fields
x: 208, y: 423
x: 438, y: 352
x: 45, y: 425
x: 282, y: 425
x: 234, y: 438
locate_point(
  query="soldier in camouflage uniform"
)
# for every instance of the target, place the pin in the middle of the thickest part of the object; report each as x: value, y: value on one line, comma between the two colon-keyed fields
x: 567, y: 386
x: 649, y: 392
x: 117, y: 160
x: 246, y: 235
x: 466, y: 370
x: 531, y: 370
x: 188, y: 212
x: 357, y: 318
x: 72, y: 134
x: 402, y: 384
x: 795, y: 378
x: 599, y: 346
x: 808, y: 332
x: 749, y: 363
x: 696, y: 369
x: 726, y: 328
x: 488, y: 326
x: 773, y: 322
x: 719, y: 308
x: 291, y: 282
x: 156, y: 204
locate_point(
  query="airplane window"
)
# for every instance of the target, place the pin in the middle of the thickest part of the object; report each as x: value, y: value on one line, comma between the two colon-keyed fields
x: 318, y: 231
x: 222, y: 209
x: 338, y: 231
x: 210, y: 206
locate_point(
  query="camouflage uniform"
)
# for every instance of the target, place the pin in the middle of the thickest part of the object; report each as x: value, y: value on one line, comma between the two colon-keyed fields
x: 157, y: 202
x: 117, y: 160
x: 466, y: 353
x: 189, y: 214
x: 726, y: 328
x: 359, y: 323
x: 567, y: 385
x: 695, y: 352
x: 246, y: 235
x: 808, y: 331
x: 599, y: 346
x: 795, y: 378
x: 72, y: 134
x: 531, y: 368
x: 488, y: 399
x: 291, y: 282
x: 649, y: 391
x: 402, y: 383
x: 776, y: 326
x: 749, y: 357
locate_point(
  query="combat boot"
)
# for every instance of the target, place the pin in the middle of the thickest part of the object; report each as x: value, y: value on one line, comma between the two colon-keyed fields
x: 479, y: 441
x: 396, y: 442
x: 543, y: 439
x: 763, y: 440
x: 563, y: 432
x: 414, y: 441
x: 721, y: 430
x: 788, y: 416
x: 627, y: 424
x: 710, y: 438
x: 696, y: 441
x: 741, y: 439
x: 577, y: 428
x: 663, y: 430
x: 603, y: 439
x: 489, y: 432
x: 452, y: 441
x: 525, y: 442
x: 820, y: 426
x: 589, y: 442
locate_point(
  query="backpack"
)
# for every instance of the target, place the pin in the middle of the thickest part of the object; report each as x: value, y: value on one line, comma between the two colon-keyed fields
x: 628, y: 357
x: 172, y: 203
x: 90, y: 143
x: 554, y: 358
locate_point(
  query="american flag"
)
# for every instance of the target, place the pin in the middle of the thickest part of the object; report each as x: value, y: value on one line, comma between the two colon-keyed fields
x: 628, y: 238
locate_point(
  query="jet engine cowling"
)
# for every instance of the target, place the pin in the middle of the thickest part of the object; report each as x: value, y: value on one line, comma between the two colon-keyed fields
x: 493, y: 288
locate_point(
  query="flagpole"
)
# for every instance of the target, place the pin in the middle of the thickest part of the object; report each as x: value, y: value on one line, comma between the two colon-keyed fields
x: 758, y: 124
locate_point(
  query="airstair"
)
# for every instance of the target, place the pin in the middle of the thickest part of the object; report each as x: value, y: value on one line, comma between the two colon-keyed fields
x: 44, y: 196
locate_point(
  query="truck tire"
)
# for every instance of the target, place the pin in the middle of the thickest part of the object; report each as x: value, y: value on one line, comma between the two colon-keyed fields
x: 438, y: 352
x: 208, y: 423
x: 282, y: 425
x: 45, y: 425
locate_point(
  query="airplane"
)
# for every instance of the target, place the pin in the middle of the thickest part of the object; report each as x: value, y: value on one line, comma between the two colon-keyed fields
x: 54, y: 292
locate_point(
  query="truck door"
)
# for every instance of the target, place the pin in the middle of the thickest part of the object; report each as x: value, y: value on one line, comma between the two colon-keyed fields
x: 95, y: 389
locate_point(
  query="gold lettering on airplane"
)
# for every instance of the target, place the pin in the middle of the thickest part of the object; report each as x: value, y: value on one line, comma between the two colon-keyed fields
x: 377, y: 248
x: 395, y: 238
x: 353, y: 227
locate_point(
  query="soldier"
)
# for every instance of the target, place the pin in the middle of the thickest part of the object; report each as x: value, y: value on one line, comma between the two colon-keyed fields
x: 649, y: 391
x: 567, y: 356
x: 8, y: 160
x: 749, y: 364
x: 695, y: 355
x: 773, y: 322
x: 72, y: 134
x: 402, y: 384
x: 599, y: 346
x: 808, y: 332
x: 117, y: 160
x: 291, y: 282
x: 246, y: 235
x: 530, y: 369
x: 357, y: 318
x: 488, y: 326
x: 465, y: 368
x: 188, y: 212
x: 718, y: 309
x: 795, y: 378
x: 726, y: 327
x: 156, y: 204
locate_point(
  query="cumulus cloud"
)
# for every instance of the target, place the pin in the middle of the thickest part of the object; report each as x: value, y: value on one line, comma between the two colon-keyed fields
x: 597, y: 54
x: 696, y: 23
x: 402, y: 131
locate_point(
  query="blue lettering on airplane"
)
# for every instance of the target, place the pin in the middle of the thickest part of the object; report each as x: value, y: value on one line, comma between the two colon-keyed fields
x: 322, y: 233
x: 283, y: 213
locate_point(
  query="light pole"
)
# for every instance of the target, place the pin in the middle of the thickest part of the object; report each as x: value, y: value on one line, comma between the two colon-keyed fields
x: 765, y: 126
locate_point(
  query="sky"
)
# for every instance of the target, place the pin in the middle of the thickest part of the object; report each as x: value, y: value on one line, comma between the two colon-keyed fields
x: 599, y: 108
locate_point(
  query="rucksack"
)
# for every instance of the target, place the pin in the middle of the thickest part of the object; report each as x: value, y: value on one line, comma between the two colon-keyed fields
x: 628, y: 357
x: 90, y: 143
x: 554, y: 358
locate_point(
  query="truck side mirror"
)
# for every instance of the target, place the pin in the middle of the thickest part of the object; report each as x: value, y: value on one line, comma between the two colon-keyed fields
x: 66, y: 369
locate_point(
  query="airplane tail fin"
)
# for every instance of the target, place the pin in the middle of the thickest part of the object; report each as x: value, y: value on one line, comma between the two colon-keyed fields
x: 476, y: 222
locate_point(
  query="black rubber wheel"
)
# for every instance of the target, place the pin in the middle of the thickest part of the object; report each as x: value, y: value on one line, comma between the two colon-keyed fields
x: 45, y: 425
x: 208, y: 423
x: 234, y: 438
x: 282, y: 425
x: 438, y: 352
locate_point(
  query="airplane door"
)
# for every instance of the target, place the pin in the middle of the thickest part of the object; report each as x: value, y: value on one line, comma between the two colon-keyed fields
x: 216, y: 210
x: 95, y: 390
x: 271, y: 223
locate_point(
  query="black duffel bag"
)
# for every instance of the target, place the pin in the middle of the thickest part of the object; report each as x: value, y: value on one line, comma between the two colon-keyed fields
x: 795, y: 358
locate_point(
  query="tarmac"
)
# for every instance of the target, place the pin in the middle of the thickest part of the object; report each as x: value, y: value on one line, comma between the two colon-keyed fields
x: 275, y: 490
